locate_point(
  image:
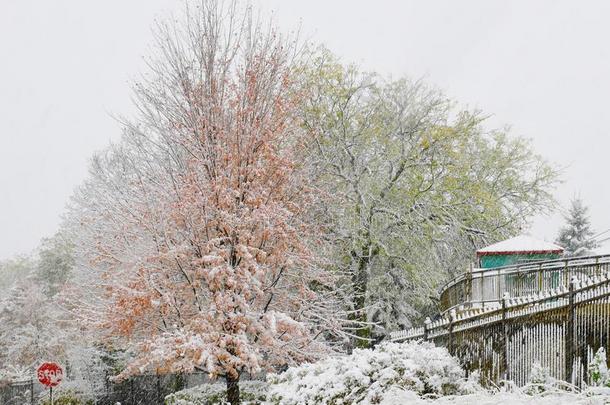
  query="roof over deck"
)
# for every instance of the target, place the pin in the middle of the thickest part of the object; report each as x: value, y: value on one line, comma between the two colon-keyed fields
x: 522, y: 244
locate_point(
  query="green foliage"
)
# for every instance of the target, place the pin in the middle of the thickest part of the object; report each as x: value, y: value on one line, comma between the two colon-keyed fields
x: 413, y: 186
x: 51, y: 267
x: 598, y: 369
x: 55, y: 263
x: 67, y: 397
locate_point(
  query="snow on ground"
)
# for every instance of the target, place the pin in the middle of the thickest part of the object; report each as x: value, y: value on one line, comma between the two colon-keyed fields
x: 396, y: 397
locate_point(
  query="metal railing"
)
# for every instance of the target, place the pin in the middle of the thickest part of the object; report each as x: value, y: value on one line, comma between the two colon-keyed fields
x: 19, y: 392
x: 562, y: 329
x: 482, y: 287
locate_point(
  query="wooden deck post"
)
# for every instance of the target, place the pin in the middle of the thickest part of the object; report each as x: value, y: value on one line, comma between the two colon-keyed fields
x: 468, y: 289
x: 427, y: 322
x: 452, y: 315
x: 597, y: 267
x: 569, y: 342
x: 504, y: 364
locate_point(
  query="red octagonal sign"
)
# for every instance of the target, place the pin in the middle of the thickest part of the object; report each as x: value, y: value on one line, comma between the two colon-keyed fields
x: 50, y: 374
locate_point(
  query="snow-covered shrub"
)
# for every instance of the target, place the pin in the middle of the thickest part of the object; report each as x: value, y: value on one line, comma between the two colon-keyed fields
x: 598, y: 369
x: 369, y: 376
x: 540, y: 379
x: 541, y: 382
x: 540, y: 375
x: 251, y: 392
x: 66, y: 397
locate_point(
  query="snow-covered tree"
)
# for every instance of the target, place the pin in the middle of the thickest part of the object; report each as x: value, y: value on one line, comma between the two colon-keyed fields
x: 34, y: 326
x: 14, y: 270
x: 195, y: 241
x: 54, y: 263
x: 413, y: 186
x: 577, y: 237
x: 28, y: 326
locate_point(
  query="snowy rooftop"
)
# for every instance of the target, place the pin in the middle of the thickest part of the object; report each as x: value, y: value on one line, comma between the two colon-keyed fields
x: 521, y: 244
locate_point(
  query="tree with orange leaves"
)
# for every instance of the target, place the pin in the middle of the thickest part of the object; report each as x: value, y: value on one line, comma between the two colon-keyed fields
x: 194, y: 234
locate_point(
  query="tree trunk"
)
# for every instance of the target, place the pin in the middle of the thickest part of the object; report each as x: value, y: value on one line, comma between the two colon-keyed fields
x: 359, y: 283
x: 232, y: 390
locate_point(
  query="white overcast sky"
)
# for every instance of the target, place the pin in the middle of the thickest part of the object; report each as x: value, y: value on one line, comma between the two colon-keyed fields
x: 542, y: 67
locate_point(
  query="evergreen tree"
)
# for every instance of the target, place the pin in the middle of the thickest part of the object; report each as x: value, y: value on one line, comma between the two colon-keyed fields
x: 577, y: 237
x: 55, y: 263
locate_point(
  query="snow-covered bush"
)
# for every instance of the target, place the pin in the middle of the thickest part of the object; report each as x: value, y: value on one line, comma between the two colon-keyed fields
x: 598, y: 369
x: 66, y: 397
x: 540, y: 379
x: 371, y: 376
x: 252, y: 392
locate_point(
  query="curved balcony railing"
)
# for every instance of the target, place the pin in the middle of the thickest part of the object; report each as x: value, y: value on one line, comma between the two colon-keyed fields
x: 482, y: 287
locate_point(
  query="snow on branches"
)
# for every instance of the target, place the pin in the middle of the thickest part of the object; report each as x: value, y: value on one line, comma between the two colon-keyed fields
x: 194, y: 232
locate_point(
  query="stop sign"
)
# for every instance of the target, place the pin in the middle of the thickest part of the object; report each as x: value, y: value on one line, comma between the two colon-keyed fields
x: 50, y: 374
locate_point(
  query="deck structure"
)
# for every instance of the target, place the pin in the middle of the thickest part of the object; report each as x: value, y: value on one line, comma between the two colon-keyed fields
x: 486, y: 287
x: 500, y: 321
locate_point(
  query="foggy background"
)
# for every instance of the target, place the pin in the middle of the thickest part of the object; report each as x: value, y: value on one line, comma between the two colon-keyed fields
x: 65, y: 66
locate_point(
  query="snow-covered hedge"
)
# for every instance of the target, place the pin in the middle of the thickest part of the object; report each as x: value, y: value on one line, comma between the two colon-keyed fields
x: 370, y: 376
x: 252, y: 393
x: 393, y: 373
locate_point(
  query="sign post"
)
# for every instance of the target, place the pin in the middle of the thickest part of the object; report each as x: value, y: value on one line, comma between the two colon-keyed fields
x: 50, y: 375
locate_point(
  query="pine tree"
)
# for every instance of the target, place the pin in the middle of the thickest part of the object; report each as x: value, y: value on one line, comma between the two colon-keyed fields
x: 577, y: 237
